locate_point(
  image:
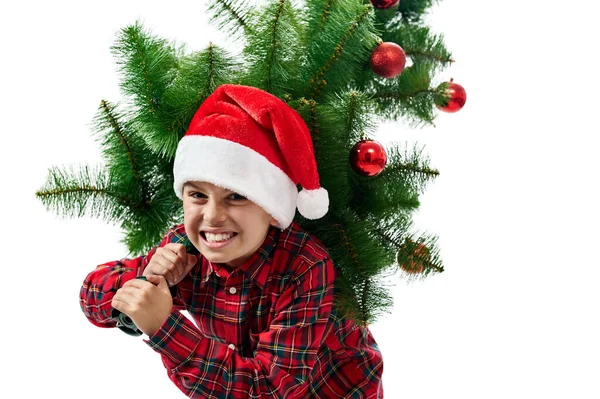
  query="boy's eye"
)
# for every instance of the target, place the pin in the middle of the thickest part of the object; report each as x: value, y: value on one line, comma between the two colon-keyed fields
x: 237, y: 197
x: 197, y: 195
x: 234, y: 196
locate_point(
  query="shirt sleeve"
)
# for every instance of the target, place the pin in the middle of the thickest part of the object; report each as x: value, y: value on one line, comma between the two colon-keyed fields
x: 285, y: 354
x: 99, y: 286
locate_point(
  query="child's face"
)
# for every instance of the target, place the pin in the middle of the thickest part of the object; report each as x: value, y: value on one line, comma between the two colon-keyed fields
x: 238, y: 225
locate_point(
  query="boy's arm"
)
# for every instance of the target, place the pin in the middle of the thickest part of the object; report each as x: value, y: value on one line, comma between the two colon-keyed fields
x: 285, y: 354
x: 99, y: 286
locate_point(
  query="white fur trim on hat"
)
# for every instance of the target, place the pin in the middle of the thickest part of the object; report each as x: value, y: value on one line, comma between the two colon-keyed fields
x: 313, y: 204
x: 238, y: 168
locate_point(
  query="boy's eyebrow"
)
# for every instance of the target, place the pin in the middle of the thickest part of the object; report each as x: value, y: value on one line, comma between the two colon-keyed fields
x: 190, y: 184
x: 187, y: 184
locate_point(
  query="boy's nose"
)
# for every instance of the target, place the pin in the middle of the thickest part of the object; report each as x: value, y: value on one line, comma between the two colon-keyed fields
x: 214, y: 213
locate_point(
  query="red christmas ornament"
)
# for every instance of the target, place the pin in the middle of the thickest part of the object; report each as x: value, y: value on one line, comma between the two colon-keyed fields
x: 388, y: 60
x: 384, y: 4
x: 368, y: 158
x: 415, y: 262
x: 457, y: 97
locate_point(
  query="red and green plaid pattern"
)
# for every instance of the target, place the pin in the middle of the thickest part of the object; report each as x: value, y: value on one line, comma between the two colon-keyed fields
x: 266, y: 330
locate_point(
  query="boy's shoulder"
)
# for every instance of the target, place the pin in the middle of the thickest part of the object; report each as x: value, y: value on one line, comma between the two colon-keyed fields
x: 299, y: 255
x: 177, y: 230
x: 300, y: 243
x: 177, y: 235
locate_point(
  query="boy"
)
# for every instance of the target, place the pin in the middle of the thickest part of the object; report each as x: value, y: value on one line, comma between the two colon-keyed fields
x: 258, y: 287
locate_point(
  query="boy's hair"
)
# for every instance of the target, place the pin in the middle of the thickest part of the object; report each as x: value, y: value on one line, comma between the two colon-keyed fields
x: 251, y: 142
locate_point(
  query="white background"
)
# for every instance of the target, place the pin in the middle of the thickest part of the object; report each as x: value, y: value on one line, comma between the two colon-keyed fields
x: 515, y: 207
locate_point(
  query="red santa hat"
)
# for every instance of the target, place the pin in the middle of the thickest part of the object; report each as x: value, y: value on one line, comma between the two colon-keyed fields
x: 251, y: 142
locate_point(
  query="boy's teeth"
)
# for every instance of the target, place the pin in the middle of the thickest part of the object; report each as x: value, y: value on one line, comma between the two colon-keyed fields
x: 218, y: 237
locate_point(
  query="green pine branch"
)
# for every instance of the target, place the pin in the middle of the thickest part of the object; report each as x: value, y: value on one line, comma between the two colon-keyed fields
x: 199, y: 74
x: 394, y: 232
x: 358, y: 256
x: 414, y: 10
x: 335, y: 127
x: 87, y: 191
x: 422, y: 46
x: 272, y: 53
x: 410, y: 251
x: 345, y: 60
x: 231, y: 15
x: 144, y: 228
x: 119, y: 149
x: 358, y: 201
x: 408, y: 97
x: 407, y: 168
x: 323, y: 14
x: 375, y: 298
x: 148, y: 65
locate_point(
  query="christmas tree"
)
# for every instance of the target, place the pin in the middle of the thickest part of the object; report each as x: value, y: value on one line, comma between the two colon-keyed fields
x: 342, y: 65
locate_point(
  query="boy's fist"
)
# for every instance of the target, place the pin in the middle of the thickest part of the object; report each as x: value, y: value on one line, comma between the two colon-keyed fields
x: 172, y: 262
x: 147, y: 303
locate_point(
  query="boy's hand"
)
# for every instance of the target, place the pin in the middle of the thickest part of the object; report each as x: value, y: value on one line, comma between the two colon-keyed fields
x: 147, y: 303
x: 172, y: 262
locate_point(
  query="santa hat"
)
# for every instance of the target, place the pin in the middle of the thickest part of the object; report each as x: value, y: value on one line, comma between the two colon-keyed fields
x: 251, y: 142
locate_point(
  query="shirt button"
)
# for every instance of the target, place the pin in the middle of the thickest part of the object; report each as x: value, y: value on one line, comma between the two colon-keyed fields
x: 232, y: 290
x: 232, y: 346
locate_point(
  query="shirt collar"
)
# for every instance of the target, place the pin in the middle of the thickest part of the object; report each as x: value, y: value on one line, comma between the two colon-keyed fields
x: 256, y: 268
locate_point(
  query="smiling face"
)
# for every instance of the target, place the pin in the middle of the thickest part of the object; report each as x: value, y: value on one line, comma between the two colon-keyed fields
x: 224, y: 226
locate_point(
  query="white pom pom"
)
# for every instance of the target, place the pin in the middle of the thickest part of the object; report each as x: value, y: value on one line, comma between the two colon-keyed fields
x: 313, y: 204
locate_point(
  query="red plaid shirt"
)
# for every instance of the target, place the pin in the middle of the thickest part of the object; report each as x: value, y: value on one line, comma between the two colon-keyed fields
x: 265, y: 330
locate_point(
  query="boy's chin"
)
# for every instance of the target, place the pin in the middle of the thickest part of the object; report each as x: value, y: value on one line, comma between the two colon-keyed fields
x: 218, y: 258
